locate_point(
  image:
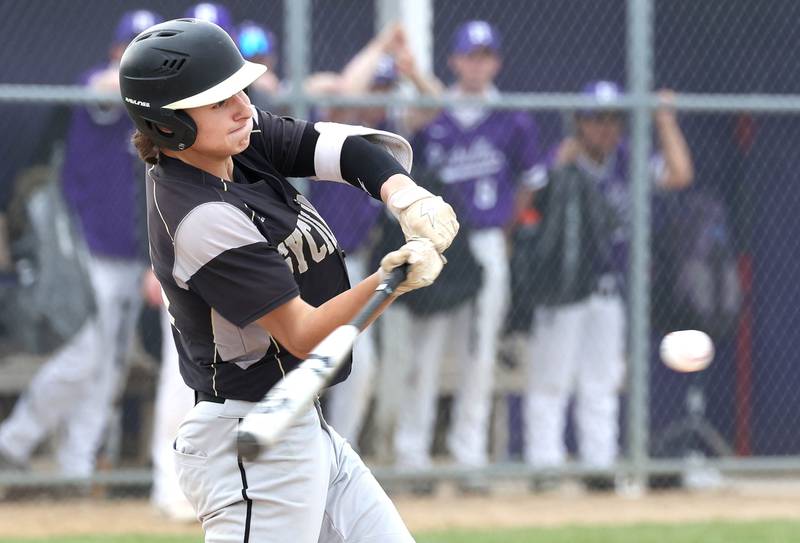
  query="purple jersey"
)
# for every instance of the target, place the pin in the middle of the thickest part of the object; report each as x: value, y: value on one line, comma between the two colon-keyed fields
x: 100, y: 179
x: 480, y: 162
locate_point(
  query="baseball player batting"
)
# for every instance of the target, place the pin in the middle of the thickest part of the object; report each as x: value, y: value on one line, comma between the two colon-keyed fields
x: 253, y: 280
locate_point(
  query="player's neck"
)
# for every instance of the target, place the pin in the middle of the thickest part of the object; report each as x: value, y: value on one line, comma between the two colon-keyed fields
x: 221, y: 167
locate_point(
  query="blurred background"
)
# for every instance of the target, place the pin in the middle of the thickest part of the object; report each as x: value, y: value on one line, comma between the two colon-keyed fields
x: 621, y: 169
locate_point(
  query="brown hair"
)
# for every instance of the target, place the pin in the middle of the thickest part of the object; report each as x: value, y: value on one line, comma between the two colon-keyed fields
x: 148, y: 151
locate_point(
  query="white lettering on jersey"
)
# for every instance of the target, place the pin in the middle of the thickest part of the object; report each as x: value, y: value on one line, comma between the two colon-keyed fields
x: 295, y: 244
x: 318, y: 254
x: 310, y: 238
x: 480, y: 159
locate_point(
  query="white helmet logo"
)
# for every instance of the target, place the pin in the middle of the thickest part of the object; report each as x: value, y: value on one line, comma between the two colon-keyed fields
x: 137, y: 102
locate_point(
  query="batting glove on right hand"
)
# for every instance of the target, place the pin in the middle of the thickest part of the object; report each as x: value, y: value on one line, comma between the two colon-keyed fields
x: 425, y: 264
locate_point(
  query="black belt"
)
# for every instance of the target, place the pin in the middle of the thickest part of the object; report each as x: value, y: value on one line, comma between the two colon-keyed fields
x: 206, y: 397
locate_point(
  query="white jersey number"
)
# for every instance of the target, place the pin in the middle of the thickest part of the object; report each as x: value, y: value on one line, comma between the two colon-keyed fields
x: 485, y: 193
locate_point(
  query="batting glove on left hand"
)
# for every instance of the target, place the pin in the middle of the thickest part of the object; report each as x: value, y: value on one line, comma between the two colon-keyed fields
x: 423, y: 215
x: 424, y: 264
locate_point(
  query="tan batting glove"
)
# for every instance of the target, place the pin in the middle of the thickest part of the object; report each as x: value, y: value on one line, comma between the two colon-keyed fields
x: 423, y: 215
x: 425, y: 264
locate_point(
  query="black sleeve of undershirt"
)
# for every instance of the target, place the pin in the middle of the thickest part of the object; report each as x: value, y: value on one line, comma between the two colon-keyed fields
x: 367, y: 165
x: 363, y: 164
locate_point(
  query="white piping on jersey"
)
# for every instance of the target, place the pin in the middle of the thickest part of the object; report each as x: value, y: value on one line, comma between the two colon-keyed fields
x: 214, y: 376
x: 278, y: 351
x: 155, y: 201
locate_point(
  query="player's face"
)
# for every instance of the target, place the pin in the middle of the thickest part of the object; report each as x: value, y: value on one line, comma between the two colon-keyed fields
x: 476, y: 70
x: 600, y: 133
x: 223, y: 129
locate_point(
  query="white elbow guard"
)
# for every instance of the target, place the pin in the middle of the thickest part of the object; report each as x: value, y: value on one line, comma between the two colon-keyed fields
x: 327, y: 154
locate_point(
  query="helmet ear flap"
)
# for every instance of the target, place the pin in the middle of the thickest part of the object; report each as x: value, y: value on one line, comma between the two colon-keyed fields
x: 188, y: 129
x: 176, y: 130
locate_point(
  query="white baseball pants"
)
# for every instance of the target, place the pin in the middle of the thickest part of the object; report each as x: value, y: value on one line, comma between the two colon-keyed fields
x: 347, y: 402
x: 576, y: 348
x: 311, y: 487
x: 174, y: 399
x: 470, y: 334
x: 74, y: 391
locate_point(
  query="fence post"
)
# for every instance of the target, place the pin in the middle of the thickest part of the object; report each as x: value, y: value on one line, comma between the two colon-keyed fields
x: 640, y: 79
x: 298, y: 52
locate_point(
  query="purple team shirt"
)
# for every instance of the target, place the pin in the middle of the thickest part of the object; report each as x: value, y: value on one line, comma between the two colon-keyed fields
x: 100, y: 179
x: 481, y: 163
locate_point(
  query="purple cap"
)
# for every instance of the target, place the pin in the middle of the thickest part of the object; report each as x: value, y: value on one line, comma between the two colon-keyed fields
x: 604, y: 92
x: 255, y: 40
x: 213, y: 13
x: 133, y: 23
x: 475, y: 35
x: 385, y: 72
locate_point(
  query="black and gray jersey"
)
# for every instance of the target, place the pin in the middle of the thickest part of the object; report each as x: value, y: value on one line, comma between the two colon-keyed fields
x: 227, y: 253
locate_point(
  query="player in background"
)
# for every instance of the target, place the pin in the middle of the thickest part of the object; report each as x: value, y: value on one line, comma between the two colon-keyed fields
x: 212, y: 12
x: 259, y: 44
x: 371, y: 70
x: 481, y: 157
x: 254, y: 280
x: 579, y: 348
x: 73, y: 393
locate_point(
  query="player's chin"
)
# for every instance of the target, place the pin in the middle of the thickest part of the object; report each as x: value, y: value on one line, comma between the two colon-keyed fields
x: 239, y: 144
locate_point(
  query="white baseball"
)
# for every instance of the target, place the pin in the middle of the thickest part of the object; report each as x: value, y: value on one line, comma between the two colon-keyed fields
x: 687, y: 350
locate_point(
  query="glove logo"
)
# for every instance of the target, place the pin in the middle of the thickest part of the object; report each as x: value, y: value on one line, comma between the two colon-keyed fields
x: 426, y: 209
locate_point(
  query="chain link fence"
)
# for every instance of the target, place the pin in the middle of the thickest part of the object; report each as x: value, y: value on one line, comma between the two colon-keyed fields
x: 622, y: 169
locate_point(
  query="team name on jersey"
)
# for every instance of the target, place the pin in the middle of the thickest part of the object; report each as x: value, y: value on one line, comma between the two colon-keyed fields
x: 463, y: 163
x: 311, y: 238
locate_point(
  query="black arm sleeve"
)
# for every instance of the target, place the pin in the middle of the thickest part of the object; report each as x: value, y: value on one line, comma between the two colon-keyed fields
x: 367, y: 165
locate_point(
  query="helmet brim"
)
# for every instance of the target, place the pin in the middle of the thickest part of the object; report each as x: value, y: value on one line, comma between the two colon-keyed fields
x: 240, y: 80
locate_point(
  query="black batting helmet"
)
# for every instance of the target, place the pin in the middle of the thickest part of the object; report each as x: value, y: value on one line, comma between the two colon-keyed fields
x: 176, y: 65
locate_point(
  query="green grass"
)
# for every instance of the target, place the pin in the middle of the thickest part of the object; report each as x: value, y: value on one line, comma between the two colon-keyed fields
x: 712, y: 532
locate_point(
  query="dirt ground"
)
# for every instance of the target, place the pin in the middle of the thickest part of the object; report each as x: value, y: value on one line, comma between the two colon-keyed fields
x: 768, y: 500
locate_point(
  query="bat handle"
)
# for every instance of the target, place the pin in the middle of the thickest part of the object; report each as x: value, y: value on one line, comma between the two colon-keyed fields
x: 382, y: 293
x: 394, y: 278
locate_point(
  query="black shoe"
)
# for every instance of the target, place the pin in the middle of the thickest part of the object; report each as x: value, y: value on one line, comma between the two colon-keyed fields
x: 599, y: 483
x: 545, y: 482
x: 474, y: 486
x: 422, y: 487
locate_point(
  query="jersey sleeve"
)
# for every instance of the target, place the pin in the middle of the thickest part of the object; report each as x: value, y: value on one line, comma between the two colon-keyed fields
x: 287, y: 143
x: 221, y: 256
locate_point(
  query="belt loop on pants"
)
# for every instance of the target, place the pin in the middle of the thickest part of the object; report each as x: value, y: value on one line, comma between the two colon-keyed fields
x: 206, y: 397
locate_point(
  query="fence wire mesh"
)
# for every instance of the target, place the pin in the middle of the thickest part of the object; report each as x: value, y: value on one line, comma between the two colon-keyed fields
x: 520, y: 353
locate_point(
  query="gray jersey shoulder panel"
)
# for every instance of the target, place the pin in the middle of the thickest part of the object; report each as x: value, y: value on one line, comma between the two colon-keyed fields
x: 207, y: 231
